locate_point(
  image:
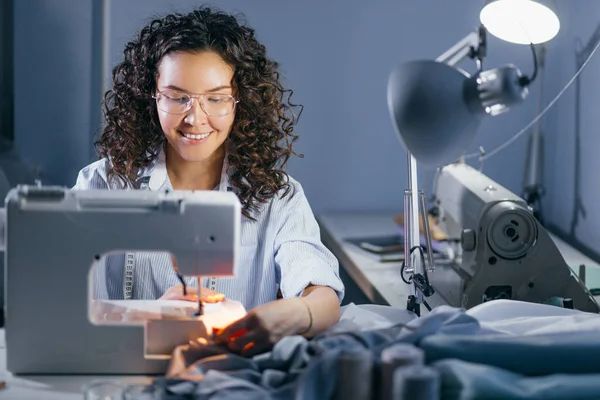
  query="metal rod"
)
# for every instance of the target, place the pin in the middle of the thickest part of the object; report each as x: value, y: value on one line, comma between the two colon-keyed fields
x: 414, y: 231
x: 460, y: 50
x: 430, y: 265
x: 408, y: 266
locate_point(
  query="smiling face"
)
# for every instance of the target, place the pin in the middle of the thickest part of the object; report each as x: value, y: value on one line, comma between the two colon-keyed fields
x: 194, y: 136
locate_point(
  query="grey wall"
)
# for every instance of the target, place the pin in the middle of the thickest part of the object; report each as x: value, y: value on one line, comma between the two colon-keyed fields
x: 6, y: 72
x: 52, y: 78
x: 572, y: 131
x: 335, y: 54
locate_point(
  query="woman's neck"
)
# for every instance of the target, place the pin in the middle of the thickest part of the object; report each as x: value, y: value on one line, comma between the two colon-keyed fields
x: 200, y: 175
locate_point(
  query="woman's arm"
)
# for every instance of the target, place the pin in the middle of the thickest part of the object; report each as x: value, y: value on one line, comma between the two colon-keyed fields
x: 315, y: 311
x: 323, y: 310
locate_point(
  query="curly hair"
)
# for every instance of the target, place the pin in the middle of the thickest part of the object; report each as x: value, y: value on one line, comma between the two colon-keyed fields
x: 261, y: 138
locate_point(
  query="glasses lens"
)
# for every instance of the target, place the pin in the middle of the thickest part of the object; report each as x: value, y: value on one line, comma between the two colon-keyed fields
x: 218, y: 105
x: 215, y: 105
x: 173, y: 102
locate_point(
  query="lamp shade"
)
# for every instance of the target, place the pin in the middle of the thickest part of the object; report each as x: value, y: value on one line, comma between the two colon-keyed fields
x: 520, y: 21
x: 425, y: 101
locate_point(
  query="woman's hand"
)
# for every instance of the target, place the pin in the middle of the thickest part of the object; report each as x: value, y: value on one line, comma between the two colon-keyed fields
x: 264, y: 326
x: 207, y: 295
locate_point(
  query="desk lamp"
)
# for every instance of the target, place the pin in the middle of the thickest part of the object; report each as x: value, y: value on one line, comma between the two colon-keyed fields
x: 436, y: 110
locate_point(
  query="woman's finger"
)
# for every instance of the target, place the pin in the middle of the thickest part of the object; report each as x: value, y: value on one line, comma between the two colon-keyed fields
x: 236, y: 329
x: 258, y: 346
x: 246, y: 341
x: 207, y: 295
x: 211, y: 296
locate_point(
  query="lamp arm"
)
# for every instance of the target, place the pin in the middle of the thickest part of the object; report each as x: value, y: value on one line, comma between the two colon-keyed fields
x: 474, y: 45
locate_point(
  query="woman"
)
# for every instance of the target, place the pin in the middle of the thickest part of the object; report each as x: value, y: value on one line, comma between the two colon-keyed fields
x: 196, y: 104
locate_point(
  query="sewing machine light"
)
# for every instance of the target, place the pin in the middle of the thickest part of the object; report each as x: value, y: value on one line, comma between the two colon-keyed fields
x: 520, y: 21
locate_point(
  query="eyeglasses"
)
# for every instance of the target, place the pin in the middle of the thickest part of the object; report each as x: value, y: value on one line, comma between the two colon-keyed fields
x: 213, y: 104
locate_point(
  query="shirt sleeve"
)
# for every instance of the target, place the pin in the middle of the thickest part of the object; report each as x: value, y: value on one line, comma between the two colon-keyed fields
x: 300, y: 256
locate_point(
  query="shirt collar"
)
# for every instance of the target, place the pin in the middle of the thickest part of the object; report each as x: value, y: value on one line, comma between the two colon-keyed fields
x: 156, y: 178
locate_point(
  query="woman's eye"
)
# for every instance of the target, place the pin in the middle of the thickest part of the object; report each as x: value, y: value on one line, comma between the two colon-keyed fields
x: 215, y: 100
x: 179, y: 100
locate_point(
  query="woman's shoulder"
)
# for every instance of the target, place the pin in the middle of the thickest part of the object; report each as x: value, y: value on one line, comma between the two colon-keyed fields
x: 295, y: 185
x: 94, y: 175
x: 290, y: 195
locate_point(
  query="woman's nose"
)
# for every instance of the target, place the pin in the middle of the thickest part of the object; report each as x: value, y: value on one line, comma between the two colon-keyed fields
x: 196, y: 113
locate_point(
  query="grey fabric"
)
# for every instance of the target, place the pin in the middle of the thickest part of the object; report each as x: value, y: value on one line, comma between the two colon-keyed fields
x: 497, y: 363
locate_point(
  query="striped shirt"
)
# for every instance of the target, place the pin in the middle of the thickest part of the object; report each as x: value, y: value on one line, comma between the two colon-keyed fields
x: 280, y: 251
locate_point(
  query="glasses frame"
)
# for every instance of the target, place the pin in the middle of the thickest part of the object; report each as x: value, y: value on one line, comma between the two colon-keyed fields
x: 200, y: 97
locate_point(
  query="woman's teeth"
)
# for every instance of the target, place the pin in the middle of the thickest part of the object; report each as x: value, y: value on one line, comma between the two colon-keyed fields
x: 196, y: 137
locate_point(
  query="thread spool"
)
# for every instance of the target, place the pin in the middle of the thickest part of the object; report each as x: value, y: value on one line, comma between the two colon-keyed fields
x: 397, y: 356
x: 417, y: 382
x: 355, y: 375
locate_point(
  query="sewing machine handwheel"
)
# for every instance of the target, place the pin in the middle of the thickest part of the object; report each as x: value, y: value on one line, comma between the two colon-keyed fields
x: 511, y: 232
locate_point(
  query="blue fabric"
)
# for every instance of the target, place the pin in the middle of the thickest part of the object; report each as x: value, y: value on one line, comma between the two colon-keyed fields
x: 527, y: 355
x: 474, y: 361
x: 462, y: 380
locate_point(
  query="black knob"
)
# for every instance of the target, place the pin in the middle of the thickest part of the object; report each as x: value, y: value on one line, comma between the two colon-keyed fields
x: 468, y: 240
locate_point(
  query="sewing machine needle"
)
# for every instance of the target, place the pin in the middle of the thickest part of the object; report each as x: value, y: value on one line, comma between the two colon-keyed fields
x: 200, y: 311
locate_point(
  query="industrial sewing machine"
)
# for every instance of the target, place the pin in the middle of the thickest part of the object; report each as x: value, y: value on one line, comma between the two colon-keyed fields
x: 54, y: 236
x: 504, y: 253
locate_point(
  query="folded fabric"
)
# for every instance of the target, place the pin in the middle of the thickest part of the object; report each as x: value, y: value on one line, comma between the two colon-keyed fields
x: 467, y: 381
x: 478, y: 353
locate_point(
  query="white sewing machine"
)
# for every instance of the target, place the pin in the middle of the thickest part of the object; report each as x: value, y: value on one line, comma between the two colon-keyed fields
x: 54, y: 236
x: 504, y: 252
